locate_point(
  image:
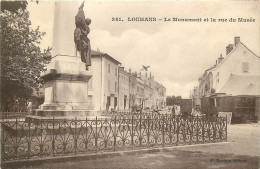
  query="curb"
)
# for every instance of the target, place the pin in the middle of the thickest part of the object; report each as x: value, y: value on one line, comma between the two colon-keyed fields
x: 37, y: 161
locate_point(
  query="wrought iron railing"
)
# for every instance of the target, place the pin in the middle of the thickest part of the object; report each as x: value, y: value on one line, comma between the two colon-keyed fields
x: 53, y: 137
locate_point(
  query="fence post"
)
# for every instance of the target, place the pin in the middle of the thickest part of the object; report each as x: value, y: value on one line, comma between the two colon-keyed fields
x: 53, y: 136
x: 202, y: 129
x: 140, y: 138
x: 16, y: 135
x: 183, y: 125
x: 214, y: 120
x: 75, y: 135
x: 148, y: 133
x: 226, y: 128
x: 115, y: 136
x: 29, y: 139
x: 197, y: 129
x: 170, y: 132
x: 132, y: 135
x: 163, y: 125
x: 177, y: 131
x: 63, y: 127
x: 96, y: 136
x: 2, y: 139
x: 41, y: 147
x: 86, y: 145
x: 191, y: 131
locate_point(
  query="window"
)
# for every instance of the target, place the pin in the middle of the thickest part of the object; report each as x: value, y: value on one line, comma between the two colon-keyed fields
x: 115, y: 86
x: 115, y: 102
x: 108, y: 85
x: 218, y: 77
x: 115, y: 71
x: 108, y: 68
x: 245, y: 66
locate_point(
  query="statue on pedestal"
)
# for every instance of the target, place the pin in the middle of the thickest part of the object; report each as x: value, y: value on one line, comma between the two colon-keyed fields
x: 81, y: 36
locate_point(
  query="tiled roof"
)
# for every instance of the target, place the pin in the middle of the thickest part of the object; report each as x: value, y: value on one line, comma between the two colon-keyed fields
x: 93, y: 52
x: 99, y: 54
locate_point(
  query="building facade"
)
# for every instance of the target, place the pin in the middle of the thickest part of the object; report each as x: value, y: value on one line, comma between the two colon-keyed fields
x: 112, y: 87
x: 235, y: 74
x: 124, y: 89
x: 154, y: 93
x: 105, y: 91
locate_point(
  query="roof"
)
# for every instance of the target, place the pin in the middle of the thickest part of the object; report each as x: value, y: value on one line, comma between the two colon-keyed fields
x: 240, y: 43
x: 100, y: 54
x: 206, y: 72
x: 242, y: 85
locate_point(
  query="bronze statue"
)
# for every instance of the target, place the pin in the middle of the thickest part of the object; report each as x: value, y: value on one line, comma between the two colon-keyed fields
x: 81, y: 36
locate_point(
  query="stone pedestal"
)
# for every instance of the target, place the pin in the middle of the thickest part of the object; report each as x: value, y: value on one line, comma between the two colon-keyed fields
x: 66, y: 85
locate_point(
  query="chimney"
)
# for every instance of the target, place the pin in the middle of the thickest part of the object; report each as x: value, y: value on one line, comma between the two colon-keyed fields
x: 237, y: 40
x: 220, y: 58
x: 229, y: 48
x: 130, y: 71
x: 121, y: 68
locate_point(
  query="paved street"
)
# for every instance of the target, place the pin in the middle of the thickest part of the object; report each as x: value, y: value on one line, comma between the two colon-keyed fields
x: 241, y: 152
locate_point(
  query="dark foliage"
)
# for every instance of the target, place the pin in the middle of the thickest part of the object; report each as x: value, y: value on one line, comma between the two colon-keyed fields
x: 21, y: 60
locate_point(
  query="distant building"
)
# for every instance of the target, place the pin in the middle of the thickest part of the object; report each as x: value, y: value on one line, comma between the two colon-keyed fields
x: 112, y: 87
x: 154, y: 93
x: 159, y: 96
x: 124, y: 90
x: 139, y: 91
x: 132, y: 88
x: 148, y: 91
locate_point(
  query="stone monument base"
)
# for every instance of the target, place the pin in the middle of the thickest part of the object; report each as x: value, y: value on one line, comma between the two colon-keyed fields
x: 66, y: 89
x: 64, y: 113
x: 39, y: 116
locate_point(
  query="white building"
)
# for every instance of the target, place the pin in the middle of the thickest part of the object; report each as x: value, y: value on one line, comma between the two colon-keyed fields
x: 236, y: 74
x: 104, y: 88
x: 239, y: 61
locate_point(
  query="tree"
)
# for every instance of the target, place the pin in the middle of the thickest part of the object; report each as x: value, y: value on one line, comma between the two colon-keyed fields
x: 13, y: 6
x: 21, y: 59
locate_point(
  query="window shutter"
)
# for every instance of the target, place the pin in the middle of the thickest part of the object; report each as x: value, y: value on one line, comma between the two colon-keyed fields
x: 245, y: 66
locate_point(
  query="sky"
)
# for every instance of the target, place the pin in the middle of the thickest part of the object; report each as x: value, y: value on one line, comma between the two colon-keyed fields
x: 178, y: 53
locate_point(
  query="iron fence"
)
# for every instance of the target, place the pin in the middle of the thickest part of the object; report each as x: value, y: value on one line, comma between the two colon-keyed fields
x: 58, y: 137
